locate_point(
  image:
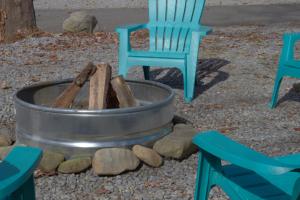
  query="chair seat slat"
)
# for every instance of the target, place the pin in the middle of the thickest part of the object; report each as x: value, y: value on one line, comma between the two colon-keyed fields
x: 155, y: 54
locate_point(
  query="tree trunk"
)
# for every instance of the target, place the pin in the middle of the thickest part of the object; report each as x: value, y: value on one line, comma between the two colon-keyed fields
x: 17, y: 18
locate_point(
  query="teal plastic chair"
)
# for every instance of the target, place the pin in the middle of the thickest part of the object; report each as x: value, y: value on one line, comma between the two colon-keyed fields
x: 249, y: 175
x: 175, y: 36
x: 16, y: 173
x: 288, y: 65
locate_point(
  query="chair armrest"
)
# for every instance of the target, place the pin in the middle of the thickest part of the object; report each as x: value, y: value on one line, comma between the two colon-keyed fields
x: 294, y: 35
x: 202, y: 30
x: 131, y: 28
x: 224, y: 148
x: 197, y: 33
x: 18, y: 166
x: 289, y: 159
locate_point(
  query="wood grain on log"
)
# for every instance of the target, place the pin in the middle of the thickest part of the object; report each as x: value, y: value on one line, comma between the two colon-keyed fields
x: 99, y: 87
x: 65, y: 99
x: 123, y: 92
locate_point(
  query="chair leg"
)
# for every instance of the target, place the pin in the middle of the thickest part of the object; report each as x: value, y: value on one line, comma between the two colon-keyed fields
x: 122, y: 69
x: 124, y: 47
x: 189, y: 82
x: 203, y: 178
x: 26, y: 191
x: 277, y: 83
x: 146, y: 70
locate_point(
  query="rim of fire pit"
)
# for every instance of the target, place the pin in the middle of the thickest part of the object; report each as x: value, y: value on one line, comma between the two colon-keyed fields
x: 103, y: 111
x: 73, y: 131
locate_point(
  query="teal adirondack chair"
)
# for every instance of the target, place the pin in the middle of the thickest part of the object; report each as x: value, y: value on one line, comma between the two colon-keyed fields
x: 249, y: 176
x: 288, y: 65
x: 175, y: 35
x: 16, y: 173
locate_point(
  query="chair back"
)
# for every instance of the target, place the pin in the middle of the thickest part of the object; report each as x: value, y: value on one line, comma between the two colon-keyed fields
x: 288, y: 50
x: 170, y: 23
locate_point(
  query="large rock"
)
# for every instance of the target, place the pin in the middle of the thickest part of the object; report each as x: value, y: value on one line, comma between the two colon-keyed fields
x: 4, y: 151
x: 177, y: 144
x: 6, y: 133
x: 80, y: 22
x: 50, y: 161
x: 148, y: 156
x: 75, y: 165
x: 113, y: 161
x: 296, y: 87
x: 5, y: 141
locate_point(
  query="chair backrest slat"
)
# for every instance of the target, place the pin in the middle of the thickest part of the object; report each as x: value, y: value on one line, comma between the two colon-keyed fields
x: 152, y: 6
x: 170, y: 21
x: 160, y: 38
x: 152, y: 39
x: 188, y: 41
x: 168, y: 38
x: 175, y: 38
x: 152, y: 18
x: 181, y: 9
x: 162, y: 10
x: 198, y: 10
x: 190, y: 9
x: 182, y: 40
x: 171, y: 10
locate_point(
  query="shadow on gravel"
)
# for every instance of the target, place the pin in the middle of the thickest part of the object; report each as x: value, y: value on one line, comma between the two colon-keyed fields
x: 205, y: 67
x: 291, y: 95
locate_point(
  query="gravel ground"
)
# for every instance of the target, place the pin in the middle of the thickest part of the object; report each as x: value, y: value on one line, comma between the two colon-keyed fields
x: 235, y: 81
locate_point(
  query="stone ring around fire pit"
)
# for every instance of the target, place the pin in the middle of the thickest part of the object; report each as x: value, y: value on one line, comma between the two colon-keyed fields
x: 76, y: 131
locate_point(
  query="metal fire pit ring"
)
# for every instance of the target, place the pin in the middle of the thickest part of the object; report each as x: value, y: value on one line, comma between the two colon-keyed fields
x: 75, y: 131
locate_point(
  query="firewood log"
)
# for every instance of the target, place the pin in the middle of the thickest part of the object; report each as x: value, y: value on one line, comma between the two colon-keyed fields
x: 99, y: 87
x: 65, y: 99
x: 123, y: 92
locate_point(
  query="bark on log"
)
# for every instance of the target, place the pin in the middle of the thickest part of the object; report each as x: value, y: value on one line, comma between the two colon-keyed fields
x: 99, y: 87
x: 17, y: 18
x: 65, y: 99
x: 124, y: 93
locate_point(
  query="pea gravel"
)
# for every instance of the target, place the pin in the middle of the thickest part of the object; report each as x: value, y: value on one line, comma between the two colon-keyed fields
x: 235, y: 82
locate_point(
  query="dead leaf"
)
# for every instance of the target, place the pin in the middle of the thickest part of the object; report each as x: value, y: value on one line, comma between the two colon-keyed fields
x: 214, y: 106
x: 39, y: 54
x: 35, y: 79
x: 297, y: 129
x: 32, y: 62
x: 39, y: 173
x: 5, y: 85
x: 102, y: 190
x: 152, y: 184
x: 227, y: 129
x: 53, y: 58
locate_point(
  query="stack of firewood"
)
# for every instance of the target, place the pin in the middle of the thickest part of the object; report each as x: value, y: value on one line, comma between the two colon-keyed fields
x: 104, y: 91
